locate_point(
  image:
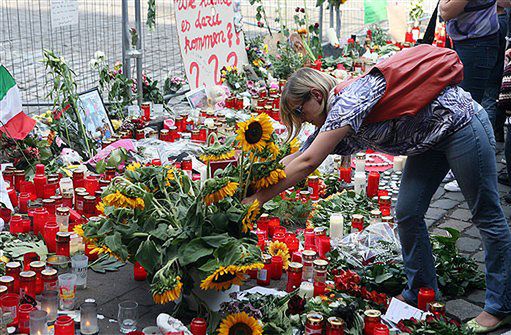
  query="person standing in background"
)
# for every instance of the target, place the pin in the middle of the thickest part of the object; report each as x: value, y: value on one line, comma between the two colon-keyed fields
x: 491, y: 93
x: 474, y: 29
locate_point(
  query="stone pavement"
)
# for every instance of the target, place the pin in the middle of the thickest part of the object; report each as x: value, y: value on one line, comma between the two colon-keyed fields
x: 447, y: 210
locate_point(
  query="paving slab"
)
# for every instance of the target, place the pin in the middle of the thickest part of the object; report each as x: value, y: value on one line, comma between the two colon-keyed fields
x: 456, y: 224
x: 435, y: 213
x: 445, y: 203
x: 462, y: 310
x: 468, y: 244
x: 461, y: 214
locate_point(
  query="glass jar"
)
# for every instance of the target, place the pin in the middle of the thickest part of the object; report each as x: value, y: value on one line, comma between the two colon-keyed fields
x: 264, y: 274
x: 3, y: 290
x: 305, y: 196
x: 62, y: 243
x: 372, y: 318
x: 49, y: 204
x: 319, y: 232
x: 58, y: 200
x: 357, y: 223
x: 294, y: 276
x: 62, y: 218
x: 89, y: 205
x: 198, y: 326
x: 78, y: 178
x: 308, y: 257
x: 385, y: 202
x: 79, y: 201
x: 38, y: 267
x: 28, y: 283
x: 23, y: 317
x: 375, y: 216
x: 41, y: 216
x: 314, y: 324
x: 313, y: 185
x: 50, y: 279
x: 319, y: 266
x: 335, y: 326
x: 8, y: 282
x: 425, y: 297
x: 110, y: 172
x: 13, y: 269
x: 50, y: 232
x: 19, y: 176
x: 8, y: 175
x: 437, y: 309
x: 67, y: 199
x: 23, y: 200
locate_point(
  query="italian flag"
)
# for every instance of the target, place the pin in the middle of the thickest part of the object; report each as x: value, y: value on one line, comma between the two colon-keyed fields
x: 13, y: 122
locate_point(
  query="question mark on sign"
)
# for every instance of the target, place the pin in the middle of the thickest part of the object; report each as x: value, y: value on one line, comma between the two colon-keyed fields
x: 235, y: 56
x: 217, y: 78
x: 196, y: 66
x: 229, y: 33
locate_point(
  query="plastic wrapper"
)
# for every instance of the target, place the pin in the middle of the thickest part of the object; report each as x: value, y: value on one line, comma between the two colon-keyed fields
x: 168, y: 324
x: 150, y: 148
x: 378, y: 240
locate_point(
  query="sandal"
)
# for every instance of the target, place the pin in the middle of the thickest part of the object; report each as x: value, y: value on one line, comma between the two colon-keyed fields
x: 478, y: 329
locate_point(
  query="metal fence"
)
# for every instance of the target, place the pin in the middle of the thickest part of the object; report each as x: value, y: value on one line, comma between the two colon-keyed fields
x: 26, y: 29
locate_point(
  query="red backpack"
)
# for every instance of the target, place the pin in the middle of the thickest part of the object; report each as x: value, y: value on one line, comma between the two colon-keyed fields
x: 414, y: 78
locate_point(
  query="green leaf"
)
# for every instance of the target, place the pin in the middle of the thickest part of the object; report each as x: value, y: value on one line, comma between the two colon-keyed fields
x: 114, y: 242
x: 383, y: 277
x: 194, y: 251
x: 148, y: 256
x: 106, y: 263
x: 216, y: 241
x: 100, y: 166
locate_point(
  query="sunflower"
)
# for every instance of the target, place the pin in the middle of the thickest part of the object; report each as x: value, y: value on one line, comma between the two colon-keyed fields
x: 271, y: 179
x: 101, y: 207
x: 255, y: 133
x: 133, y: 166
x: 217, y: 152
x: 294, y: 146
x: 223, y: 278
x: 166, y: 290
x: 171, y: 176
x: 277, y: 248
x: 254, y: 266
x: 240, y: 324
x: 274, y: 149
x: 118, y: 200
x: 251, y: 216
x: 78, y: 230
x: 227, y: 190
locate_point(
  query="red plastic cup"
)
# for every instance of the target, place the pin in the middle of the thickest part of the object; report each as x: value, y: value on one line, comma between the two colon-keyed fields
x: 276, y: 267
x: 319, y: 288
x: 24, y: 318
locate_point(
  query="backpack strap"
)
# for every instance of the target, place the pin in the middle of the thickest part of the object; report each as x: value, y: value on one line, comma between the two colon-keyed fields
x: 429, y: 34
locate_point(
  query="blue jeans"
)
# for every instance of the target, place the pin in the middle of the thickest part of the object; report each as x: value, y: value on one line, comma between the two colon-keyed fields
x: 491, y: 94
x: 507, y: 152
x: 470, y: 153
x: 479, y: 56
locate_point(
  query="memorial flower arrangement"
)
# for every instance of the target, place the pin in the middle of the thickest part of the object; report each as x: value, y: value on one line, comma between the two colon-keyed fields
x: 235, y: 79
x: 187, y: 234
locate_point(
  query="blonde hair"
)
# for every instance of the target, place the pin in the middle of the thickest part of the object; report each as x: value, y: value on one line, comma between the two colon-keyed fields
x: 298, y: 90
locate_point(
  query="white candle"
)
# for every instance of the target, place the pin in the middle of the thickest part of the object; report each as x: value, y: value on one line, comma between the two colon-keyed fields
x: 336, y: 225
x: 398, y: 163
x: 360, y: 162
x: 359, y: 182
x: 306, y: 290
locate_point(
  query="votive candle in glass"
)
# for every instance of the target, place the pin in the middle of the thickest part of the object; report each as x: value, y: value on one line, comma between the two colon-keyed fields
x: 67, y: 289
x: 38, y: 267
x: 50, y: 304
x: 79, y: 263
x: 88, y: 318
x: 38, y: 323
x: 24, y: 317
x: 276, y: 267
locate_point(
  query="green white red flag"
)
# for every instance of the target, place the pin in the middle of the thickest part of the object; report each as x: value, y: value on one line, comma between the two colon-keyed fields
x: 13, y: 122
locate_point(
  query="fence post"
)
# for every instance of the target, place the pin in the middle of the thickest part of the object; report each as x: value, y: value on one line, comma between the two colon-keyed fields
x: 337, y: 20
x: 321, y: 23
x: 138, y: 23
x: 126, y: 63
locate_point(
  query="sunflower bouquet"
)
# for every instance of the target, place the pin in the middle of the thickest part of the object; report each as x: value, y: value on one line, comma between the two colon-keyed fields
x: 191, y: 235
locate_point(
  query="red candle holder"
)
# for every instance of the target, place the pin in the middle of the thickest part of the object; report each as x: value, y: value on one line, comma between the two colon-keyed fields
x: 425, y: 297
x: 64, y: 325
x: 324, y: 246
x: 381, y: 329
x: 309, y: 237
x: 139, y: 273
x: 279, y: 237
x: 16, y: 226
x: 9, y: 303
x: 345, y: 174
x: 198, y: 326
x: 276, y: 267
x: 272, y: 224
x: 264, y: 274
x: 24, y: 198
x: 41, y: 216
x: 262, y: 223
x: 319, y: 288
x: 50, y: 233
x: 23, y: 317
x: 373, y: 183
x: 292, y: 243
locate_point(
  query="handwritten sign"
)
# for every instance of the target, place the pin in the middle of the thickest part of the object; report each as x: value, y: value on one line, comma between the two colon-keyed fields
x: 209, y: 38
x: 64, y: 13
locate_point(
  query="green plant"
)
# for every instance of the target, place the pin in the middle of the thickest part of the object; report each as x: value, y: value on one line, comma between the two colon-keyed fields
x: 65, y: 101
x: 236, y: 80
x: 261, y: 14
x: 291, y: 212
x: 151, y: 91
x: 151, y: 14
x: 118, y: 86
x: 416, y: 10
x: 431, y: 325
x: 457, y: 274
x: 286, y: 61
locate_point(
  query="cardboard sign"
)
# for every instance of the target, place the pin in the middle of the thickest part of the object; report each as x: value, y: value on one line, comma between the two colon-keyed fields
x: 64, y: 13
x: 397, y: 15
x: 209, y: 38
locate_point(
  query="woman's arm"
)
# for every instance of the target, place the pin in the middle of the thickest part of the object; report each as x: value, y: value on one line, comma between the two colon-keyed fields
x: 304, y: 164
x: 449, y: 9
x: 289, y: 158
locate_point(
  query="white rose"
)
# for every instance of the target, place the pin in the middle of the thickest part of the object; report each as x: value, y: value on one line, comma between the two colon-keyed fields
x: 100, y: 55
x: 210, y: 123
